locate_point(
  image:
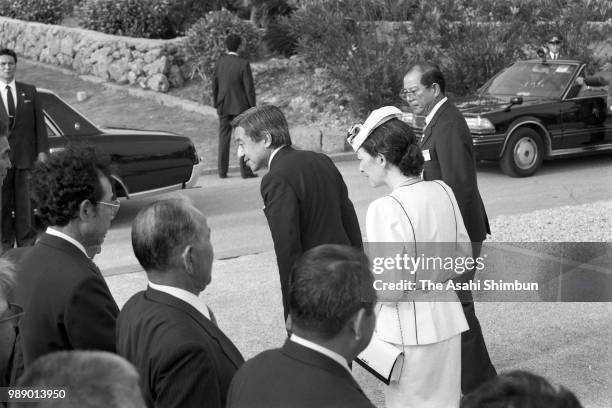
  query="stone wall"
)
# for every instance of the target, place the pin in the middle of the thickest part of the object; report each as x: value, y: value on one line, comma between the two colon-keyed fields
x: 152, y: 64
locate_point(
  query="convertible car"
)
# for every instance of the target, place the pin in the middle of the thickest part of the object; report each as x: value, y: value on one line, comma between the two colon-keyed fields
x: 144, y: 162
x: 535, y: 110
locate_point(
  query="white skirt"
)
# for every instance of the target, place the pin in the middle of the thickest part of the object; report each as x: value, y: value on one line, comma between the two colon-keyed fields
x: 431, y: 376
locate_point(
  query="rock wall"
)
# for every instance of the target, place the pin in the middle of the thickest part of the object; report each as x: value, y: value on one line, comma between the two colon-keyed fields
x: 152, y: 64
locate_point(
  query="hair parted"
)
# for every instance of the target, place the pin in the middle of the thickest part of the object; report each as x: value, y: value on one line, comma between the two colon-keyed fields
x: 162, y: 230
x: 431, y: 74
x: 9, y: 51
x: 232, y: 42
x: 327, y: 286
x: 398, y: 144
x: 262, y: 119
x: 93, y: 379
x: 65, y: 180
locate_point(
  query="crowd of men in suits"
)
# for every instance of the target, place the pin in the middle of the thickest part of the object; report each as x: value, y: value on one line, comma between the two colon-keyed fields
x: 167, y: 332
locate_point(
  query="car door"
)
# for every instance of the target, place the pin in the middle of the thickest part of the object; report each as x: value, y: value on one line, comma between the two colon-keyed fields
x: 587, y: 119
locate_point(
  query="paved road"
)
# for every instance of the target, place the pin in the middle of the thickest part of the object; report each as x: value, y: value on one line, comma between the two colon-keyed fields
x: 233, y: 205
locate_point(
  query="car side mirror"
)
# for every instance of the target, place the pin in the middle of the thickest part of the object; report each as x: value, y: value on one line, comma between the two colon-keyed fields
x: 516, y: 100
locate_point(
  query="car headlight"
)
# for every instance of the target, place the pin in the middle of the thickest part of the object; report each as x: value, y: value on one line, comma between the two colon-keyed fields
x: 480, y: 125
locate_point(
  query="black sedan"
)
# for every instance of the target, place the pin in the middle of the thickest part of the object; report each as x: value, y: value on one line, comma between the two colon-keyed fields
x: 535, y: 110
x: 143, y: 162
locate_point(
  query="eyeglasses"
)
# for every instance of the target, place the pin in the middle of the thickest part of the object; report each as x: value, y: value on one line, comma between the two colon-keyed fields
x: 411, y: 93
x: 13, y: 312
x: 555, y: 42
x: 114, y: 205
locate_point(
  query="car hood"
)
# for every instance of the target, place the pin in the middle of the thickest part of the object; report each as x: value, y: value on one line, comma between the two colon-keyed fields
x: 134, y: 132
x: 477, y: 105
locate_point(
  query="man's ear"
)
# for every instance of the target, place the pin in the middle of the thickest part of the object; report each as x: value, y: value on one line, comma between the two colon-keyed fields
x: 186, y: 257
x: 86, y: 210
x: 267, y: 139
x: 357, y: 326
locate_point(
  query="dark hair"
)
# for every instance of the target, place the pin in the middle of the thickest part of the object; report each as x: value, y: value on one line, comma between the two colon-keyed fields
x: 93, y: 379
x: 163, y: 229
x: 8, y: 51
x: 396, y: 141
x: 262, y: 119
x: 430, y: 74
x: 65, y: 180
x: 519, y: 389
x: 232, y: 42
x: 327, y: 286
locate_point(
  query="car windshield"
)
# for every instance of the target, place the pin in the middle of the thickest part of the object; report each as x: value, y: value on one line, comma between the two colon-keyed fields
x: 531, y: 80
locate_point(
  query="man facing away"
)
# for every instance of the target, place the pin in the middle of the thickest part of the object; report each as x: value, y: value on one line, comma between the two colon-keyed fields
x: 167, y: 331
x: 21, y: 110
x: 305, y: 197
x: 233, y: 93
x: 332, y: 320
x: 449, y: 156
x: 67, y: 303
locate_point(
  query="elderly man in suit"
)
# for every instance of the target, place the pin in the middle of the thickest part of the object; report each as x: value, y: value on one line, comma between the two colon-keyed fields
x: 332, y: 320
x: 167, y: 331
x: 67, y: 303
x: 449, y: 156
x: 306, y: 200
x: 233, y: 93
x: 22, y: 112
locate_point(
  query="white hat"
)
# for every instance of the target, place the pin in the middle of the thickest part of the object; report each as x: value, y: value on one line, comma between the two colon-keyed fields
x: 359, y: 133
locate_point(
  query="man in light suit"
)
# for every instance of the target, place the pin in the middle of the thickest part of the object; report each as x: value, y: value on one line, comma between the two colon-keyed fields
x: 332, y: 320
x: 233, y: 93
x: 66, y: 300
x: 167, y: 331
x: 306, y: 200
x: 22, y: 112
x: 449, y: 156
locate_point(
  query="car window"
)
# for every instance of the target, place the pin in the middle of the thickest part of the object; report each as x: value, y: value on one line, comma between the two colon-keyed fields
x: 64, y: 118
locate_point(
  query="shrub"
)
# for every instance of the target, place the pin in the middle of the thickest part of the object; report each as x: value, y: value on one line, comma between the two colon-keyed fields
x: 183, y: 13
x: 133, y: 18
x: 42, y: 11
x: 279, y: 39
x: 205, y: 41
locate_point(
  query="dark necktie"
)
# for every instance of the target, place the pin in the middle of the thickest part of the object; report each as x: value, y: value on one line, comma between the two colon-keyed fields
x: 11, y: 105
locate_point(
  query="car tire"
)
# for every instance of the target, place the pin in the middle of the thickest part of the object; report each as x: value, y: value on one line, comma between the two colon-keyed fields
x: 523, y: 154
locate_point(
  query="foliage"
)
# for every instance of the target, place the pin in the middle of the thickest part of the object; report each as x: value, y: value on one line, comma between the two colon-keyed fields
x: 42, y: 11
x: 133, y: 18
x: 183, y: 13
x: 266, y: 12
x: 279, y: 38
x: 205, y: 40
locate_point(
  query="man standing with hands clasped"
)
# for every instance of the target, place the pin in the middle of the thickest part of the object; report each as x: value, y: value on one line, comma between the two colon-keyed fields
x: 449, y: 156
x: 22, y: 112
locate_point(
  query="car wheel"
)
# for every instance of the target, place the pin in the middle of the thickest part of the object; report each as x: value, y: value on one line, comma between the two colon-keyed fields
x: 524, y: 153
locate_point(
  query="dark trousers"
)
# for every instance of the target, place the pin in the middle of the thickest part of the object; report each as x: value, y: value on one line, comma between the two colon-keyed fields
x: 16, y: 197
x: 225, y: 140
x: 476, y: 366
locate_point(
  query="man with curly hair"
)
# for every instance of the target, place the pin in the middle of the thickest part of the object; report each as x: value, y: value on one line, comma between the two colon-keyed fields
x: 66, y: 300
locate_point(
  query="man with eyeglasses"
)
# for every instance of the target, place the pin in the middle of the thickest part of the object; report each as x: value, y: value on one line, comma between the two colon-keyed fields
x: 67, y: 303
x: 449, y: 156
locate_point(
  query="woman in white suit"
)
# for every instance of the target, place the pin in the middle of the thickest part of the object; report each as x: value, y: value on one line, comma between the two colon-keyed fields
x: 416, y: 212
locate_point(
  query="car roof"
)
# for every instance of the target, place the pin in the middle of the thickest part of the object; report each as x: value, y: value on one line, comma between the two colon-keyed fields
x: 560, y: 61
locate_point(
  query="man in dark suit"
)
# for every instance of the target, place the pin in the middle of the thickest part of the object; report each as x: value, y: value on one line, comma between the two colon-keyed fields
x: 449, y: 156
x: 233, y: 93
x: 306, y: 200
x: 167, y: 331
x: 22, y: 112
x: 66, y: 300
x: 332, y: 319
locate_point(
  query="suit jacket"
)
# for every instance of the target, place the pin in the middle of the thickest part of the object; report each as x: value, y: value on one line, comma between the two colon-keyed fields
x: 448, y: 141
x: 294, y: 377
x: 306, y: 204
x: 67, y: 303
x: 184, y: 360
x: 233, y: 89
x: 28, y: 135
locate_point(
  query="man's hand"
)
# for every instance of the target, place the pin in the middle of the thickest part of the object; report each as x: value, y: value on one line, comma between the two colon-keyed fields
x: 42, y: 157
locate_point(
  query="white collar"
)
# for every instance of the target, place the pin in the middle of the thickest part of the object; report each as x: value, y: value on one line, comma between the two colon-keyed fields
x: 59, y: 234
x: 431, y: 114
x: 11, y: 84
x: 318, y: 348
x: 274, y: 154
x: 232, y: 53
x: 185, y: 296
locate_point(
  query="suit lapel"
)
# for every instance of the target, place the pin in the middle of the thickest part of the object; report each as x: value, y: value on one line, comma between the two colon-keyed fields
x: 428, y: 132
x: 20, y: 97
x: 65, y: 246
x: 225, y: 344
x: 3, y: 112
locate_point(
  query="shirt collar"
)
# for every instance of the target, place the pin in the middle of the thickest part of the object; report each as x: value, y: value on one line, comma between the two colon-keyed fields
x: 4, y: 84
x: 431, y: 114
x: 274, y: 154
x: 325, y: 351
x: 59, y: 234
x: 232, y: 53
x: 183, y: 295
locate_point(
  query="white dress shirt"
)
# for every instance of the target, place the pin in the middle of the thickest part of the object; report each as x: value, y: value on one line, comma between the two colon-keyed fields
x: 431, y: 114
x: 13, y: 88
x: 185, y: 296
x: 59, y: 234
x: 320, y: 349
